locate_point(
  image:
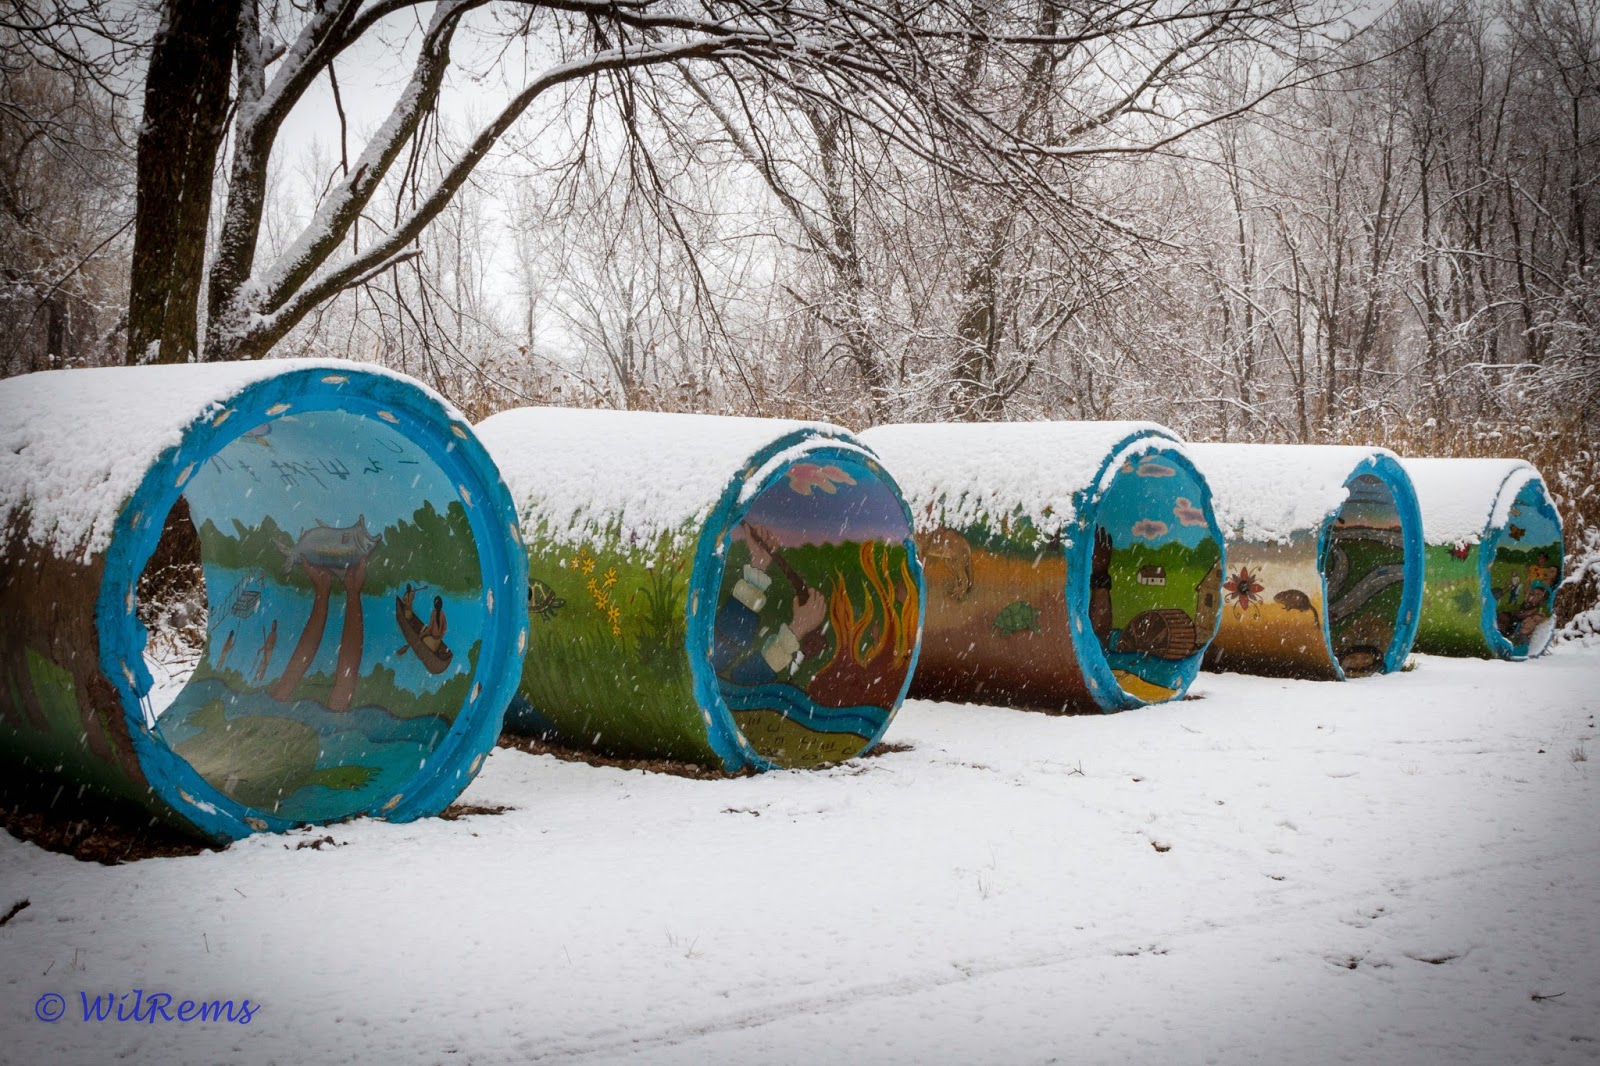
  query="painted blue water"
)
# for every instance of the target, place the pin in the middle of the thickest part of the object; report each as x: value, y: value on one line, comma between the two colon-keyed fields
x: 1168, y: 673
x: 394, y: 748
x: 865, y: 720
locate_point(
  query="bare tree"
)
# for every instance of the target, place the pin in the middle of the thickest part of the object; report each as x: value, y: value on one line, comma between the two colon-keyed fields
x: 845, y: 65
x: 64, y: 208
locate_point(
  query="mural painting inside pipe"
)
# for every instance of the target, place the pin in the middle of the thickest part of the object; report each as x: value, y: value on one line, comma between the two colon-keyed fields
x: 1524, y: 569
x: 817, y: 614
x: 799, y: 614
x: 344, y: 616
x: 999, y: 596
x: 1363, y: 563
x: 1155, y: 577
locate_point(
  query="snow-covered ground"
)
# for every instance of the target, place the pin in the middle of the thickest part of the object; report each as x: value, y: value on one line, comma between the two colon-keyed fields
x: 1388, y: 870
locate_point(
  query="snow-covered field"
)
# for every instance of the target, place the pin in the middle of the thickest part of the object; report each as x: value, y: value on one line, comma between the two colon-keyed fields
x: 1392, y: 870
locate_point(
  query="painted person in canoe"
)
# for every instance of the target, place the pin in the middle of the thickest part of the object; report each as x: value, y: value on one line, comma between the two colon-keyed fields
x: 426, y: 640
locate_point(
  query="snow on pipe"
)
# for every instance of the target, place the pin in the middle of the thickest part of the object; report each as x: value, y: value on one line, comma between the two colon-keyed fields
x: 359, y: 629
x: 740, y: 592
x: 1324, y: 575
x: 1494, y: 555
x: 1069, y: 564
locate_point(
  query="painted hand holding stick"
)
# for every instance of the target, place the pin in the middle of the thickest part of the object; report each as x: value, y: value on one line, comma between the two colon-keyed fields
x: 800, y: 636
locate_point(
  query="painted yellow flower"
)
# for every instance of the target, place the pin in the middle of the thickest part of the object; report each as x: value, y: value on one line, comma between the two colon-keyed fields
x: 586, y: 564
x: 610, y: 578
x: 593, y: 586
x: 616, y: 631
x: 613, y: 615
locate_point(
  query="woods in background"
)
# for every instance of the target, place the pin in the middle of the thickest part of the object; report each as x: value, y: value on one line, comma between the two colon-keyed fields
x: 1251, y: 221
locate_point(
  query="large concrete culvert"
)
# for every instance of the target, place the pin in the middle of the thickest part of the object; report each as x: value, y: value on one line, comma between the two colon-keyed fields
x: 335, y: 543
x: 736, y: 592
x: 1494, y: 551
x: 1070, y: 565
x: 1325, y: 568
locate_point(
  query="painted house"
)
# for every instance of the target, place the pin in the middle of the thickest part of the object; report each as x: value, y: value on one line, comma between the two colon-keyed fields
x: 1152, y: 575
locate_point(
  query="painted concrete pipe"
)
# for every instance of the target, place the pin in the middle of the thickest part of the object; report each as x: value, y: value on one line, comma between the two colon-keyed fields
x: 735, y: 592
x: 359, y: 628
x: 1324, y: 559
x: 1070, y: 565
x: 1494, y: 554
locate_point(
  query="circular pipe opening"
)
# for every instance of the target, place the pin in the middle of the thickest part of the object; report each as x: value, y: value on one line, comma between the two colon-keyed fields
x: 1365, y: 577
x: 349, y: 551
x: 1154, y: 577
x: 1522, y: 566
x: 818, y: 605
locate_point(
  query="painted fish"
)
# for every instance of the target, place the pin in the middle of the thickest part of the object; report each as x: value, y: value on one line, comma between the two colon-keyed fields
x: 331, y: 547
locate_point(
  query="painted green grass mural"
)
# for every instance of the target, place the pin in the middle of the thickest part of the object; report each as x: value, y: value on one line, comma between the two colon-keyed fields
x: 606, y: 630
x: 1495, y: 557
x: 738, y: 593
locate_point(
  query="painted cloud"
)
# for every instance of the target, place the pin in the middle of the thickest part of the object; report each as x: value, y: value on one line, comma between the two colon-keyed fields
x: 1187, y: 513
x: 1149, y: 528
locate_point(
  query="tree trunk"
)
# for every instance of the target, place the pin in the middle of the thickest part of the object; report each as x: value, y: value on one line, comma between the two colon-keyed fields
x: 185, y: 113
x: 974, y: 397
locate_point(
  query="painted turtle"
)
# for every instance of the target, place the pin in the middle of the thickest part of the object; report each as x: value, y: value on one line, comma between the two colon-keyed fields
x: 1018, y: 617
x: 542, y: 599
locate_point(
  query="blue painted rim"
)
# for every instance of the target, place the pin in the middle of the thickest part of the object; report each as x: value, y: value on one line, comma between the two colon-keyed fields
x: 710, y: 562
x: 1389, y: 471
x: 1489, y: 544
x: 1092, y: 662
x: 490, y: 514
